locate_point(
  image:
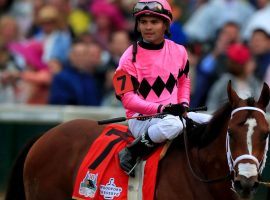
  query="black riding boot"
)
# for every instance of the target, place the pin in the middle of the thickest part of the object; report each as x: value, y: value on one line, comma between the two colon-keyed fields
x: 132, y: 154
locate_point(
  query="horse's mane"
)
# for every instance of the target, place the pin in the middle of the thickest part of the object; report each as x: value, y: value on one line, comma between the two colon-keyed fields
x: 205, y: 135
x: 216, y: 125
x: 200, y: 135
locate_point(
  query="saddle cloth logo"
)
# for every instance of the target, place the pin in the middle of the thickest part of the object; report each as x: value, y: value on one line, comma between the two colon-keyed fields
x: 88, y: 186
x: 110, y: 190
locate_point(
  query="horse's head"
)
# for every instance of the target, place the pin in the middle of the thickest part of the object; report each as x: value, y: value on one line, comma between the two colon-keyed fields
x: 247, y: 140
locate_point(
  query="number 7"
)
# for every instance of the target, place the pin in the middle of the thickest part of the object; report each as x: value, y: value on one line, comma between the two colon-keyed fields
x: 123, y: 79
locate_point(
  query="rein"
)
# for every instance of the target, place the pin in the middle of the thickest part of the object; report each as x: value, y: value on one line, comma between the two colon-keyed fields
x: 215, y: 180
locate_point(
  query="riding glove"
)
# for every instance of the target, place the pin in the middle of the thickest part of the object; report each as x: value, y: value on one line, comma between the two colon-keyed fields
x: 175, y: 109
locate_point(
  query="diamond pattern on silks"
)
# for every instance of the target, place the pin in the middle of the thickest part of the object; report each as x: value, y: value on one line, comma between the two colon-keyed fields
x: 158, y: 86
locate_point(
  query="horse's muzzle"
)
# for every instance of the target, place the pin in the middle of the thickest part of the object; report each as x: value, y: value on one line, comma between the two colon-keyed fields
x: 246, y: 187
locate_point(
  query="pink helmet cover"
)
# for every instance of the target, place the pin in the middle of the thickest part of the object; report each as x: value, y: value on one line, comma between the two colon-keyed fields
x: 165, y: 5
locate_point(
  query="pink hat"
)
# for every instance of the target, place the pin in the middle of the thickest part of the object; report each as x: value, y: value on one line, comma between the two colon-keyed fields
x: 238, y: 53
x: 31, y: 51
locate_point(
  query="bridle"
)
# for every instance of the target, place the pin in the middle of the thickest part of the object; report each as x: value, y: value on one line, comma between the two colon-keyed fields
x: 231, y: 162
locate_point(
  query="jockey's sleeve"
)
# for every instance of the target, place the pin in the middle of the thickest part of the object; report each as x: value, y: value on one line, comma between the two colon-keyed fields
x: 132, y: 101
x: 183, y: 94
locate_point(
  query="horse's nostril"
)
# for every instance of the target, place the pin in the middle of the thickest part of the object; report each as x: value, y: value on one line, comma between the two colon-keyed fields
x: 237, y: 185
x: 256, y: 185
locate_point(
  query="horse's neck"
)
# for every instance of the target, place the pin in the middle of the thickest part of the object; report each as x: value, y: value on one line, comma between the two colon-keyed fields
x: 175, y: 174
x: 213, y: 158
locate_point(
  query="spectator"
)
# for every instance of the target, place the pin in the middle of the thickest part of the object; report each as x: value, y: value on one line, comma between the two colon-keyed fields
x: 107, y: 19
x: 76, y: 84
x: 34, y: 28
x: 214, y: 63
x: 194, y: 55
x: 126, y: 7
x: 22, y: 11
x: 56, y: 40
x: 10, y: 63
x: 9, y: 30
x: 36, y: 76
x: 211, y: 16
x: 240, y: 72
x: 177, y: 33
x: 9, y: 87
x: 10, y: 33
x: 64, y: 7
x: 260, y: 48
x: 118, y: 43
x: 259, y: 20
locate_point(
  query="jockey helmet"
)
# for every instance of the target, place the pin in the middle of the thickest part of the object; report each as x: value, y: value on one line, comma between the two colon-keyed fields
x: 158, y: 7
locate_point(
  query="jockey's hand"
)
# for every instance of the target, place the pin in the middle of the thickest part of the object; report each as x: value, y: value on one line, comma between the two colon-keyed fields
x: 176, y: 109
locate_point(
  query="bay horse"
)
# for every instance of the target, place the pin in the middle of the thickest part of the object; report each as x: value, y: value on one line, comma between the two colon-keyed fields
x: 233, y: 145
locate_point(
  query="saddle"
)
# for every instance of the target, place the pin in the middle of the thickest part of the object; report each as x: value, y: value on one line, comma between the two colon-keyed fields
x: 100, y: 175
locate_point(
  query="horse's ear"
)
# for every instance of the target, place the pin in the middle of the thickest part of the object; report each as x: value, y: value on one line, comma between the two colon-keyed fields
x: 265, y: 96
x: 232, y: 96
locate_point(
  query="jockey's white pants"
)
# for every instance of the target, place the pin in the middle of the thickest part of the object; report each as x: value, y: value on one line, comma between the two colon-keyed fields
x: 162, y: 129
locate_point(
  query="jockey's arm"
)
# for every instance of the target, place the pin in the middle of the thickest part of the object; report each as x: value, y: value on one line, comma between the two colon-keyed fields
x: 133, y: 102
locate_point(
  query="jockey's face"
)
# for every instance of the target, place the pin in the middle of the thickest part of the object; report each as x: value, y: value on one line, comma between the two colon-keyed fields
x: 152, y: 29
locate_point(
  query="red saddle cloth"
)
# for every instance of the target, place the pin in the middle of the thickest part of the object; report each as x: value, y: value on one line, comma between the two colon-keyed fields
x: 100, y: 176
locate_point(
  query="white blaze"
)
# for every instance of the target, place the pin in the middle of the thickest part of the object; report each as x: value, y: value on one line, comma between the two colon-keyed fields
x: 251, y: 124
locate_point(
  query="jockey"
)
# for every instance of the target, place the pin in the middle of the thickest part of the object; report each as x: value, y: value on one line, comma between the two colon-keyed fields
x: 153, y: 77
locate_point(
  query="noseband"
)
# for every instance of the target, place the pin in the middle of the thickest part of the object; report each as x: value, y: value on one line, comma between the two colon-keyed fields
x: 232, y: 163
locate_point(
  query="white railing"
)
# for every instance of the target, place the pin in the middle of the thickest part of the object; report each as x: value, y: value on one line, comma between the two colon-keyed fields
x: 55, y: 114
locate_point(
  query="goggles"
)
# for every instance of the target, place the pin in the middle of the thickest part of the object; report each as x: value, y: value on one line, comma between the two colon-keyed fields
x: 151, y: 6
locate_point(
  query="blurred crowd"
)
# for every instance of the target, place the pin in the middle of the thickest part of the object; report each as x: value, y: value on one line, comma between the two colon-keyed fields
x: 64, y: 52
